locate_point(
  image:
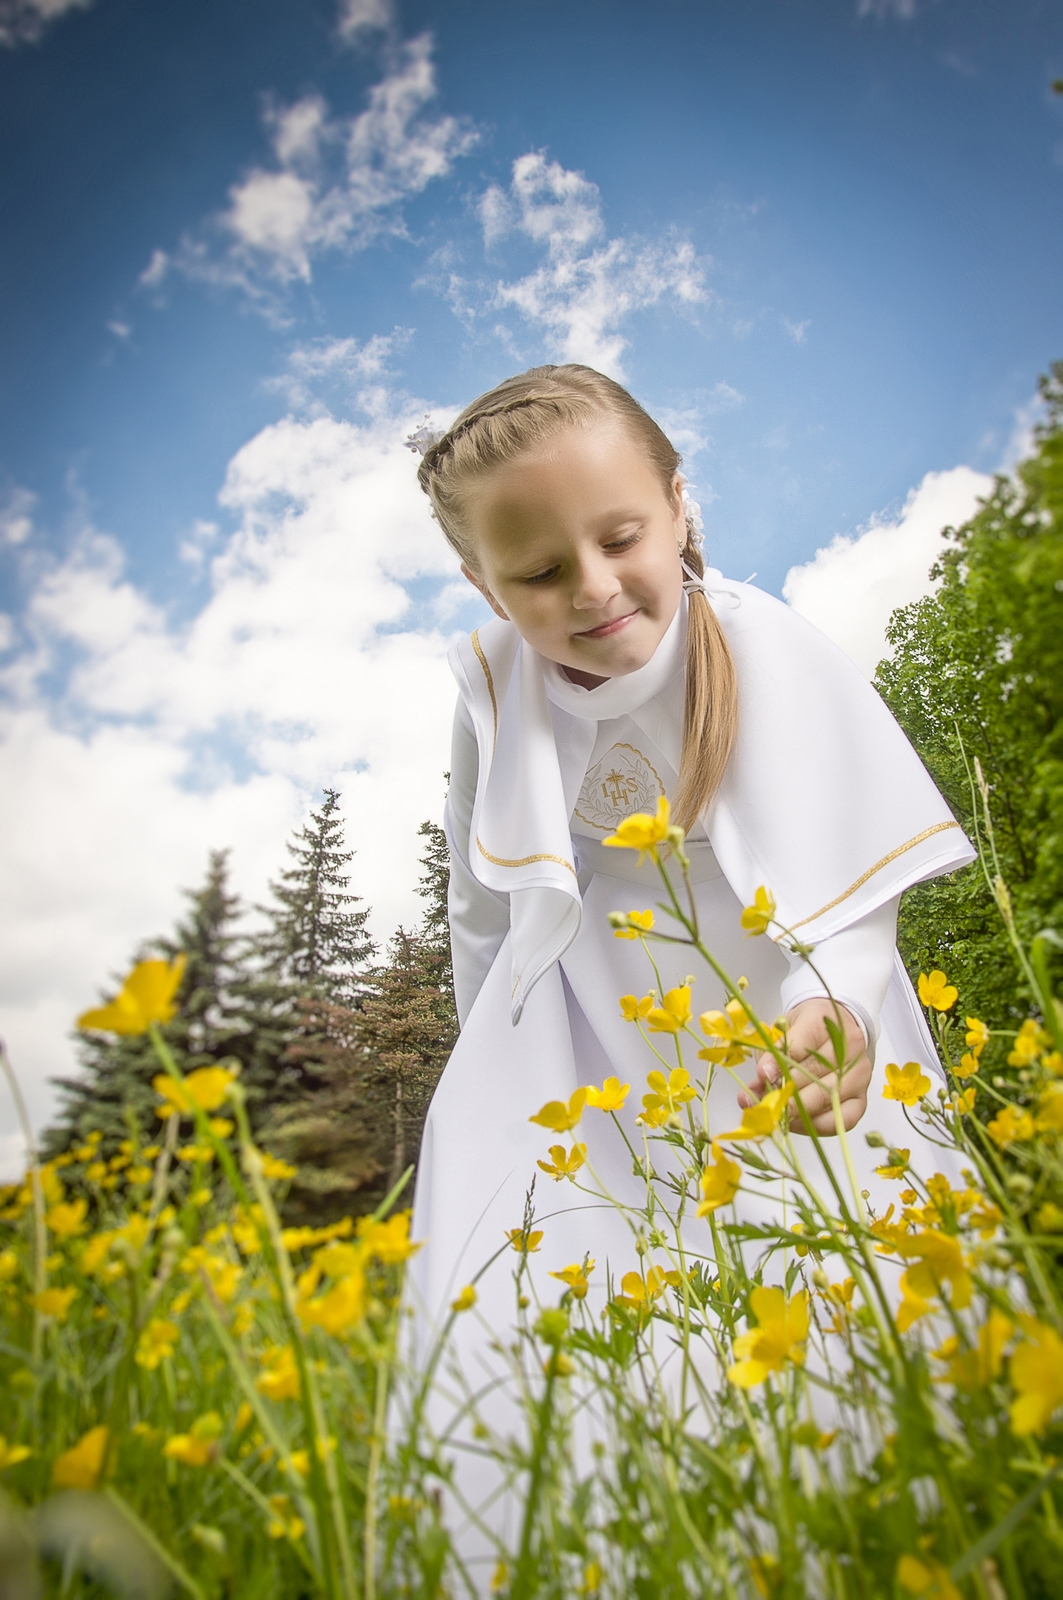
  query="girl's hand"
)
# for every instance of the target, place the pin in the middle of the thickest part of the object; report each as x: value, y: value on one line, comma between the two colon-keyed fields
x: 808, y: 1034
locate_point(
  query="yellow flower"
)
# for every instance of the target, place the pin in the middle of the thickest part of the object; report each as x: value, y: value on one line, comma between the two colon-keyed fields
x: 67, y: 1218
x: 644, y: 833
x: 668, y: 1093
x: 1036, y: 1372
x: 977, y: 1036
x: 12, y: 1454
x: 735, y: 1032
x: 973, y: 1369
x: 279, y: 1379
x: 898, y: 1165
x: 558, y: 1116
x: 610, y: 1097
x: 273, y: 1167
x: 968, y: 1065
x: 922, y: 1575
x: 1049, y: 1218
x: 673, y: 1013
x: 577, y: 1277
x: 778, y: 1337
x: 205, y: 1088
x: 300, y: 1460
x: 939, y: 1259
x: 53, y: 1302
x: 389, y: 1242
x: 340, y: 1308
x: 758, y: 917
x: 1030, y: 1040
x: 156, y: 1343
x: 8, y: 1265
x: 524, y: 1243
x: 203, y: 1153
x: 719, y: 1182
x: 908, y: 1084
x: 82, y: 1466
x: 763, y: 1118
x: 466, y: 1299
x: 197, y: 1447
x: 766, y: 1573
x: 937, y: 991
x: 1010, y: 1126
x: 638, y: 923
x: 1050, y: 1110
x: 564, y: 1163
x: 147, y: 996
x: 961, y: 1104
x: 592, y: 1579
x: 640, y: 1293
x: 632, y: 1009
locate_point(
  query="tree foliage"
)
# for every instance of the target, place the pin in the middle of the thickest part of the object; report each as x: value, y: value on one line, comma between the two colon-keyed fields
x: 977, y: 668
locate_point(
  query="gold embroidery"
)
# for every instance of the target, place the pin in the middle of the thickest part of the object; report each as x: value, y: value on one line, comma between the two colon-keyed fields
x: 624, y: 788
x: 524, y: 861
x: 482, y: 659
x: 939, y: 827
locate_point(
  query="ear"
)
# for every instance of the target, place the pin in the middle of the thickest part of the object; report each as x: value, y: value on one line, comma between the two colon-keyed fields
x: 478, y: 583
x: 679, y: 513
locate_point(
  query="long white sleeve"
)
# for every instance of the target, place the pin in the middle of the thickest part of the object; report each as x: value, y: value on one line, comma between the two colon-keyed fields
x: 855, y: 965
x: 479, y: 918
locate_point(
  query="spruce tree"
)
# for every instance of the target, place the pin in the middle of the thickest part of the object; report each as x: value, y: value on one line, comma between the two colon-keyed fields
x: 209, y: 1024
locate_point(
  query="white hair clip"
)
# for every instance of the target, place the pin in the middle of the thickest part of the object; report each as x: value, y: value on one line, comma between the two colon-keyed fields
x: 424, y: 438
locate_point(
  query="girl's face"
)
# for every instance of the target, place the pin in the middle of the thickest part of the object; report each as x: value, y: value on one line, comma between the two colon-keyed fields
x: 578, y: 545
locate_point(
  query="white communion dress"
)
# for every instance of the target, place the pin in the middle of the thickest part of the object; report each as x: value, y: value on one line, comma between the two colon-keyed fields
x: 824, y: 802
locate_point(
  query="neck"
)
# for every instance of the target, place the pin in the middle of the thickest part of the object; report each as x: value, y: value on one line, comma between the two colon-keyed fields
x: 586, y: 680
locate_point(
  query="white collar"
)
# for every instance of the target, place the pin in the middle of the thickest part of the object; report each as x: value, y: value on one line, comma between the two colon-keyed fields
x: 618, y: 697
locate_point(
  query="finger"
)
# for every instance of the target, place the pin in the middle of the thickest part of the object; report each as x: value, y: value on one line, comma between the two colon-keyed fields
x: 817, y: 1100
x: 825, y: 1125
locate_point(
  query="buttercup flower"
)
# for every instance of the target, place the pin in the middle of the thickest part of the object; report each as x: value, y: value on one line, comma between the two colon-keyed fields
x: 668, y: 1094
x: 388, y: 1242
x: 610, y: 1097
x: 898, y: 1165
x: 147, y: 996
x: 81, y: 1466
x: 466, y: 1299
x: 719, y: 1182
x: 977, y: 1035
x: 1050, y: 1110
x: 758, y: 917
x: 963, y: 1103
x: 673, y: 1013
x: 639, y: 1293
x: 923, y: 1576
x: 973, y: 1369
x: 759, y: 1120
x: 564, y: 1163
x: 205, y: 1088
x: 644, y: 833
x: 559, y: 1116
x: 525, y: 1243
x: 156, y: 1343
x: 67, y: 1219
x: 12, y: 1454
x: 53, y: 1302
x: 198, y: 1446
x: 779, y: 1336
x: 638, y: 923
x: 1036, y: 1372
x: 1011, y: 1126
x: 908, y: 1084
x: 340, y: 1308
x: 577, y: 1277
x: 273, y: 1167
x: 279, y: 1378
x: 1030, y: 1040
x: 936, y: 991
x: 633, y: 1009
x: 939, y: 1259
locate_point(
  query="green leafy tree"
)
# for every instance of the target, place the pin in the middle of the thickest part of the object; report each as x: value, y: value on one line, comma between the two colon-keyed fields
x: 980, y: 662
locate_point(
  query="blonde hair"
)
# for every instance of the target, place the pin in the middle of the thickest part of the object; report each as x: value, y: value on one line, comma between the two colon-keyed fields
x: 527, y: 410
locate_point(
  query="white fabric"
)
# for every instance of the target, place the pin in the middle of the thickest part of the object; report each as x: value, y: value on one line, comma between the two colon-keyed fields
x: 823, y: 790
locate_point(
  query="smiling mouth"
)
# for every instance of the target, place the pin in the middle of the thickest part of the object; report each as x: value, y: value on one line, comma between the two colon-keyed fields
x: 604, y: 630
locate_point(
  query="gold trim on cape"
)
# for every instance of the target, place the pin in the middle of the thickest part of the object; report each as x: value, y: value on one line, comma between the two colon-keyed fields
x: 482, y: 659
x: 939, y: 827
x: 524, y: 861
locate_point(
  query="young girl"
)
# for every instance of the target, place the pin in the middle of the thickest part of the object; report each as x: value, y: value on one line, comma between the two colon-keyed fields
x: 618, y: 671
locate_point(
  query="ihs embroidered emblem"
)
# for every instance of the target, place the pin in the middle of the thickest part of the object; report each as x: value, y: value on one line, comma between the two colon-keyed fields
x: 623, y: 781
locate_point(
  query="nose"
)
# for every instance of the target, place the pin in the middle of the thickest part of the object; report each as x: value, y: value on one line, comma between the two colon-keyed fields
x: 596, y: 583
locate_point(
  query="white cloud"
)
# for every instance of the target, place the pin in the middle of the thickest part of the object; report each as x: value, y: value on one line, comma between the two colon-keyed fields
x: 584, y: 291
x: 24, y: 21
x: 798, y: 331
x: 302, y: 668
x: 850, y: 588
x: 335, y: 184
x: 358, y: 17
x: 16, y: 520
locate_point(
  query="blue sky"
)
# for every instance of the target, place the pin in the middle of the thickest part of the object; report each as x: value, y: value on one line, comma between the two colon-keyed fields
x: 248, y: 243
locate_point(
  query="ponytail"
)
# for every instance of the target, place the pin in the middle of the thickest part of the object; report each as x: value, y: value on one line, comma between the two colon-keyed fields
x: 710, y: 716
